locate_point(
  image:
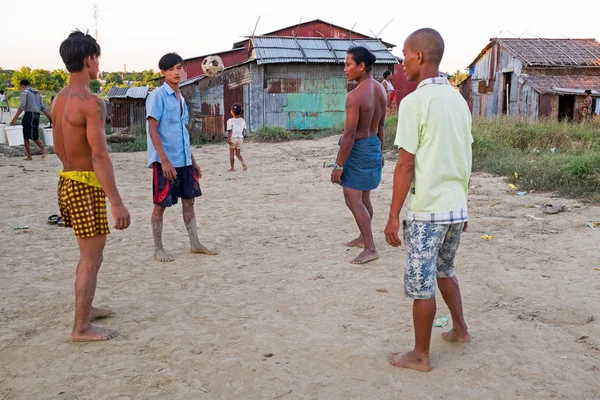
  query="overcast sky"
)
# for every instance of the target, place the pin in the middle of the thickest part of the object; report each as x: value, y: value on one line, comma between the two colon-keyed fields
x: 137, y: 33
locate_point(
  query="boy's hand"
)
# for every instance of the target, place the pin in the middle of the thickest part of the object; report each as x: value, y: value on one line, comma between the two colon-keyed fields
x: 197, y: 169
x: 169, y: 171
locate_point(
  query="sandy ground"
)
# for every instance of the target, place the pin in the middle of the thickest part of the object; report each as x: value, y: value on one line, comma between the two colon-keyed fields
x: 280, y: 313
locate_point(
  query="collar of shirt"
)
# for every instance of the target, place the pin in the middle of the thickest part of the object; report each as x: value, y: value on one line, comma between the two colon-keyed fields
x: 168, y: 88
x: 433, y: 81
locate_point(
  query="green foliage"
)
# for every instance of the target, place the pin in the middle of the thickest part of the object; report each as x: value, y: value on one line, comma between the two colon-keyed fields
x: 272, y: 135
x: 95, y: 86
x: 390, y: 133
x: 114, y: 77
x: 458, y: 77
x: 5, y: 77
x: 504, y: 146
x: 41, y: 79
x: 61, y: 78
x: 20, y: 74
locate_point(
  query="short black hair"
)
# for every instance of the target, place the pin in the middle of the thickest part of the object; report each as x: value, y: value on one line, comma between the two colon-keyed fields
x: 588, y: 91
x: 386, y: 74
x: 24, y: 82
x: 1, y: 91
x: 74, y: 50
x: 169, y: 60
x: 237, y: 109
x: 362, y: 55
x: 429, y: 42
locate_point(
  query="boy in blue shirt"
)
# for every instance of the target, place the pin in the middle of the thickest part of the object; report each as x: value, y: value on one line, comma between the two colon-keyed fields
x: 175, y: 171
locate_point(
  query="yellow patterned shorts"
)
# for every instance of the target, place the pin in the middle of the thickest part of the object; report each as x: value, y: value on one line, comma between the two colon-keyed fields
x: 82, y: 206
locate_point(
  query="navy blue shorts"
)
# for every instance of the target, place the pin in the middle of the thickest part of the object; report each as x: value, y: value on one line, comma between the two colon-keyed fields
x: 165, y: 192
x: 31, y: 125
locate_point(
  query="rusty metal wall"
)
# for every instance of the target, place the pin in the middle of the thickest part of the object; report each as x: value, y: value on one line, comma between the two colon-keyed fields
x: 255, y: 110
x: 465, y: 89
x: 487, y: 86
x: 193, y: 67
x: 119, y: 117
x: 231, y: 97
x: 211, y: 110
x: 126, y: 113
x: 137, y: 114
x: 402, y: 85
x: 318, y: 29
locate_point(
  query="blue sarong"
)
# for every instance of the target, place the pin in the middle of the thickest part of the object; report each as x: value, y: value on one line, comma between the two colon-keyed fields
x: 362, y: 169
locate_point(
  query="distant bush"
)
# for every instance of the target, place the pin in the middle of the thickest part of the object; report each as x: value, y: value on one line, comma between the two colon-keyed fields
x: 272, y: 135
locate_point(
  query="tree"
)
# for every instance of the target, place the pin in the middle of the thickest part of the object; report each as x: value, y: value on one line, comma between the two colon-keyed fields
x: 458, y: 77
x: 23, y: 73
x: 5, y: 77
x: 61, y: 79
x: 114, y: 77
x: 149, y: 77
x: 95, y: 86
x: 41, y: 79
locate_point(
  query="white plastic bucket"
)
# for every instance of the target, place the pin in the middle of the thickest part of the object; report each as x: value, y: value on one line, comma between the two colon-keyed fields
x: 15, y: 135
x: 48, y: 139
x: 3, y: 138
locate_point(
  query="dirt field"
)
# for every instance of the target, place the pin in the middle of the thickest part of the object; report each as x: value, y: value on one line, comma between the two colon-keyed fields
x: 280, y: 313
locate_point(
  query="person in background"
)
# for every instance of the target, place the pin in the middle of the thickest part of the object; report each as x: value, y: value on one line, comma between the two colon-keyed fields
x: 235, y: 136
x: 389, y: 88
x: 32, y: 105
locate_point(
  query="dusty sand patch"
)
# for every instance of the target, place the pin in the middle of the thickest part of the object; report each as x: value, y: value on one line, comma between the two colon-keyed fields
x: 201, y: 327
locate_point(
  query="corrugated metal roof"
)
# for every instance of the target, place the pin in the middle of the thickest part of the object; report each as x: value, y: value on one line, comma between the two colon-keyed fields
x: 140, y: 92
x: 191, y: 81
x: 333, y: 31
x: 270, y: 50
x: 128, y: 93
x: 541, y: 52
x: 561, y: 84
x: 117, y: 93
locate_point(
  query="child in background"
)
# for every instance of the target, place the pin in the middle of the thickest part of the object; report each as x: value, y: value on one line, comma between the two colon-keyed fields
x: 235, y: 136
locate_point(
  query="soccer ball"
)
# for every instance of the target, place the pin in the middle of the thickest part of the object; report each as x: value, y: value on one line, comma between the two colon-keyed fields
x: 212, y: 66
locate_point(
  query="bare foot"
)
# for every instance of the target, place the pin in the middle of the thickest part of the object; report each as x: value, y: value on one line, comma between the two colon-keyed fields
x: 365, y: 257
x: 358, y: 242
x: 452, y: 336
x: 202, y: 250
x: 409, y: 360
x: 162, y: 256
x: 98, y: 312
x: 231, y: 170
x: 244, y: 167
x: 28, y: 159
x: 44, y: 153
x: 92, y: 334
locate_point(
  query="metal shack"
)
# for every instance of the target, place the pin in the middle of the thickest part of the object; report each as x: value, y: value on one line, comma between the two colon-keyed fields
x: 294, y: 83
x: 533, y: 77
x: 127, y: 106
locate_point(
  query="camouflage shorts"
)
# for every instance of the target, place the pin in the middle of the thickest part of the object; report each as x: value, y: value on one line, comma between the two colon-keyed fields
x: 430, y: 253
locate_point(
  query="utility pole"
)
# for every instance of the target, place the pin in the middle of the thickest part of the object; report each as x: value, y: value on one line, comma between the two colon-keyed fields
x: 96, y: 20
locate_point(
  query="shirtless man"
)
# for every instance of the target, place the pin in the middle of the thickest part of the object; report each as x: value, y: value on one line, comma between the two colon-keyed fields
x: 87, y: 177
x: 360, y: 161
x: 586, y: 106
